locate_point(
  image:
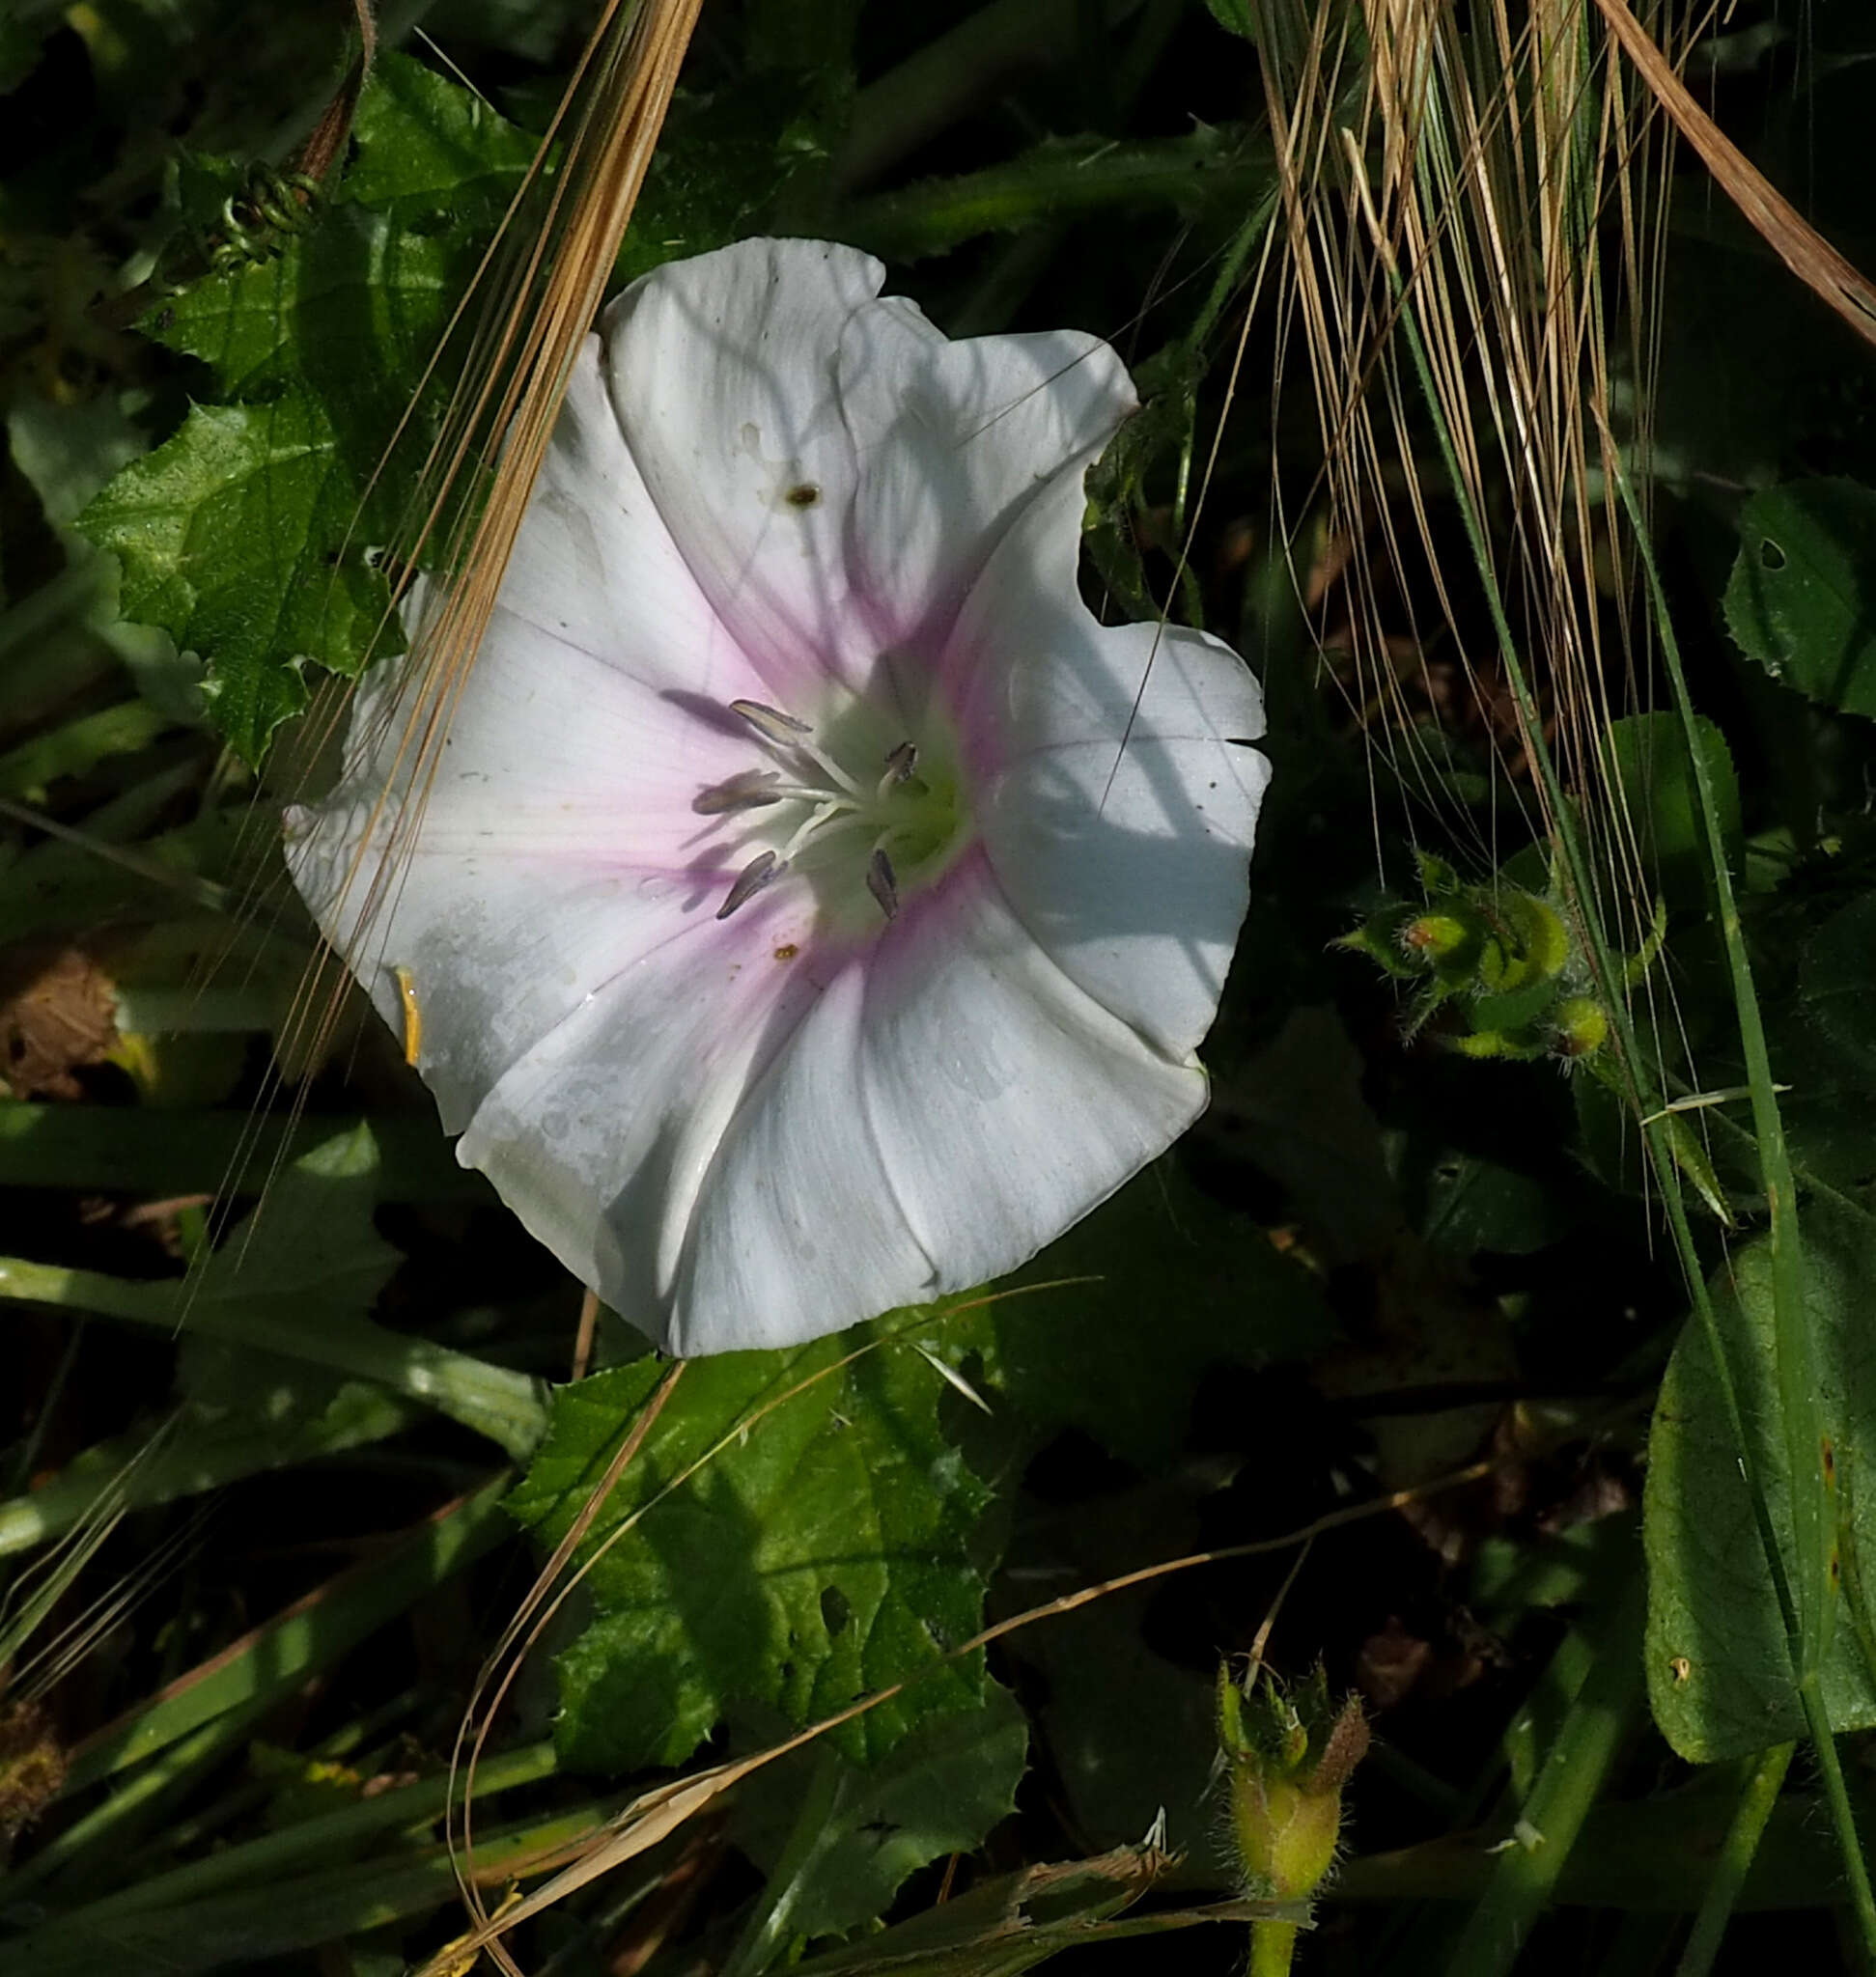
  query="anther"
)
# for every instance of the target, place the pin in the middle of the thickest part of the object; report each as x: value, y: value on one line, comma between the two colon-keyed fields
x: 761, y: 871
x: 769, y: 722
x: 749, y: 789
x: 882, y: 884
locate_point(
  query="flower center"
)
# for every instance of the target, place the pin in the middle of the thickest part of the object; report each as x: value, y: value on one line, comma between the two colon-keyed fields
x: 865, y: 815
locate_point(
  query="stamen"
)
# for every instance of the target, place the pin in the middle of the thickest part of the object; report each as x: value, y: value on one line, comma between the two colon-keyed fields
x: 882, y: 884
x: 749, y: 789
x: 831, y: 768
x: 770, y: 722
x: 761, y: 869
x: 822, y: 815
x: 899, y: 765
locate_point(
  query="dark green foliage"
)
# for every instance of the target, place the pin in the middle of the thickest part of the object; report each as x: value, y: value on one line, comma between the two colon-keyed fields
x: 1801, y: 600
x: 250, y: 534
x: 823, y: 1553
x: 1718, y: 1673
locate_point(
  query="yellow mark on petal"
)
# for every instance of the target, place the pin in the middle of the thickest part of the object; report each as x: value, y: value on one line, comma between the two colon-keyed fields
x: 787, y: 951
x: 413, y: 1017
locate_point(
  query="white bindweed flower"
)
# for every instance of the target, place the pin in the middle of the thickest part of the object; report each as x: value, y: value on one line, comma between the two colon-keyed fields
x: 794, y: 935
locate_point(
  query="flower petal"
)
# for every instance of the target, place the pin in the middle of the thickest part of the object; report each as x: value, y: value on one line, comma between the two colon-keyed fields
x: 722, y: 373
x: 595, y: 566
x: 554, y: 845
x: 1131, y: 869
x: 1006, y: 1102
x: 796, y: 1231
x: 951, y: 439
x: 1035, y: 670
x: 601, y: 1137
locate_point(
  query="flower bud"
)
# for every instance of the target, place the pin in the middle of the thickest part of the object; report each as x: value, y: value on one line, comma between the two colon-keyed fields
x: 1286, y: 1761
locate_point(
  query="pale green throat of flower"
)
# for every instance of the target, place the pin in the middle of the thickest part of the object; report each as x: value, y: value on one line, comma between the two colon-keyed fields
x: 866, y: 820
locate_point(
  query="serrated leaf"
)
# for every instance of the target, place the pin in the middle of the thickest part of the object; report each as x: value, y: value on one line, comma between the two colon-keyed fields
x: 352, y: 311
x: 822, y: 1553
x: 1803, y: 591
x: 426, y: 146
x: 227, y: 535
x: 1720, y: 1677
x: 940, y: 1791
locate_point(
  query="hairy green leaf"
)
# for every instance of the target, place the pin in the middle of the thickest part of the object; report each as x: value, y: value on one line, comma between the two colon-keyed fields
x: 246, y: 535
x: 225, y: 533
x: 1802, y: 594
x: 822, y: 1553
x: 429, y: 147
x: 940, y: 1791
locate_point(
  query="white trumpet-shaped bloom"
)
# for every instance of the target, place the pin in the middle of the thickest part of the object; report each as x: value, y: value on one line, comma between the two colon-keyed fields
x: 813, y: 909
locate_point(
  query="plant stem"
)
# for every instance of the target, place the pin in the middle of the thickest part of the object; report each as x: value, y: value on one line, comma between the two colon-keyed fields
x: 192, y: 1461
x: 1575, y: 1769
x: 1765, y: 1778
x: 1806, y: 1441
x: 308, y: 1843
x: 509, y: 1408
x: 135, y: 1150
x: 1273, y: 1946
x: 930, y: 91
x: 1058, y: 181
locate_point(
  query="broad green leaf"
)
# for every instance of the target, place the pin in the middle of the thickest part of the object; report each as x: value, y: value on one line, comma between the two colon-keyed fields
x: 427, y: 145
x: 1181, y: 1284
x: 351, y: 312
x: 821, y: 1554
x: 1836, y: 984
x: 1718, y: 1675
x: 940, y: 1791
x: 1652, y: 776
x: 227, y: 535
x: 1802, y: 599
x: 310, y: 1248
x: 247, y: 536
x: 1235, y: 15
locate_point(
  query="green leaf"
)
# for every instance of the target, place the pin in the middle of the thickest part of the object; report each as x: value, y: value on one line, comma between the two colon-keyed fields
x: 822, y: 1553
x: 1837, y: 982
x: 426, y: 146
x: 1802, y: 599
x: 1234, y: 15
x: 1719, y: 1671
x: 352, y: 311
x: 311, y: 1249
x: 1181, y: 1284
x: 246, y: 535
x: 227, y: 534
x: 940, y: 1791
x: 1652, y: 774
